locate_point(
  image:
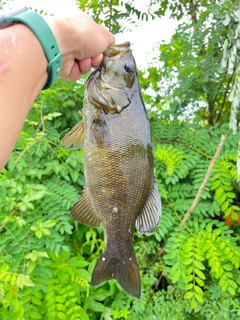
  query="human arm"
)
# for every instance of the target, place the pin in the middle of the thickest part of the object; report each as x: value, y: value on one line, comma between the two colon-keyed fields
x: 23, y: 66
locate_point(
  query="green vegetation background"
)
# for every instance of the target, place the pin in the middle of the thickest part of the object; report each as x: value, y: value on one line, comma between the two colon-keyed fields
x: 188, y: 271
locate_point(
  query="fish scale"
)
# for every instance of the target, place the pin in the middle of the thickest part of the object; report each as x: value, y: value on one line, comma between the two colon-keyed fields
x: 121, y: 190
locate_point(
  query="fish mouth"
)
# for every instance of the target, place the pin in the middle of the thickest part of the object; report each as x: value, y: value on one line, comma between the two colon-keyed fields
x: 116, y: 49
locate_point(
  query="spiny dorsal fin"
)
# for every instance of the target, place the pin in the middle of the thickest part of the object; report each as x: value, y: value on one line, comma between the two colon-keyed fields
x: 83, y: 211
x: 148, y: 219
x: 75, y: 137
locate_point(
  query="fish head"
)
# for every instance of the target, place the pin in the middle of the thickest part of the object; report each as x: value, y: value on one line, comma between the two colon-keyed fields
x: 118, y: 66
x: 112, y: 85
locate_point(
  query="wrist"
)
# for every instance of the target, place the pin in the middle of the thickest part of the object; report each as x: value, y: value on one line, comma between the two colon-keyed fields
x: 44, y: 35
x: 67, y: 39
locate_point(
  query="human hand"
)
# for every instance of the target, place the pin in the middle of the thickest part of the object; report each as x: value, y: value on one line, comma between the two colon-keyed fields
x: 81, y: 40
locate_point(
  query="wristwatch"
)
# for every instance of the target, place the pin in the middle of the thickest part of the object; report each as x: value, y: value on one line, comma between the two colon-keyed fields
x: 45, y: 36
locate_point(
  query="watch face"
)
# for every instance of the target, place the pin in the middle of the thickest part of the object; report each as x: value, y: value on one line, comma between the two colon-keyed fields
x: 4, y: 19
x: 2, y: 22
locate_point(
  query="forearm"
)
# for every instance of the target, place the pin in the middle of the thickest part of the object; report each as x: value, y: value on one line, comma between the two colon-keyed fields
x: 22, y: 76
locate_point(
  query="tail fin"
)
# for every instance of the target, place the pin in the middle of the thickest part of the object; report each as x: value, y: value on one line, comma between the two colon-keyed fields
x: 124, y: 270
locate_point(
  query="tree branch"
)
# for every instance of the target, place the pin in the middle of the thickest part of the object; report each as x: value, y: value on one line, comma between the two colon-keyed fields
x: 205, y: 180
x: 185, y: 145
x: 225, y: 96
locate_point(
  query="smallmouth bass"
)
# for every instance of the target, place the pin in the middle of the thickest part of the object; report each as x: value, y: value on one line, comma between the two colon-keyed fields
x: 121, y: 189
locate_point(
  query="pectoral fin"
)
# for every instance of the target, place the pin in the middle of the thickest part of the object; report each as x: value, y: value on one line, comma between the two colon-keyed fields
x: 148, y: 219
x: 83, y: 211
x: 75, y: 137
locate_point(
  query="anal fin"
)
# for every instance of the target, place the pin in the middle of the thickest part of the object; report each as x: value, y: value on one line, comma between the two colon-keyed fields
x: 83, y: 211
x: 149, y: 218
x: 75, y: 137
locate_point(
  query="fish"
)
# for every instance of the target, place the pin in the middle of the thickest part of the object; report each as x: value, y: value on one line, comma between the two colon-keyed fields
x: 121, y: 191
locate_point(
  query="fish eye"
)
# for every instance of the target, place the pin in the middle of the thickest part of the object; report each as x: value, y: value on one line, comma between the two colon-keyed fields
x: 128, y: 67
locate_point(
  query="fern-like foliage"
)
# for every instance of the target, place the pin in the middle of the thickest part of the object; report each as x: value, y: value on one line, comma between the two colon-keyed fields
x: 206, y: 249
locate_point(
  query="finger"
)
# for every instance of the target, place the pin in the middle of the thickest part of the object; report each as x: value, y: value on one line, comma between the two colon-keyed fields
x: 75, y: 73
x: 85, y: 65
x: 96, y: 61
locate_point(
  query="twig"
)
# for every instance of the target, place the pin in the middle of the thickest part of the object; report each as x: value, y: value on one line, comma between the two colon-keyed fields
x: 185, y: 145
x: 205, y: 180
x: 160, y: 278
x: 159, y: 254
x: 200, y: 191
x: 225, y: 97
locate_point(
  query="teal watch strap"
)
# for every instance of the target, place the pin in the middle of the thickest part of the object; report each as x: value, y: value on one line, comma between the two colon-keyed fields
x: 45, y: 36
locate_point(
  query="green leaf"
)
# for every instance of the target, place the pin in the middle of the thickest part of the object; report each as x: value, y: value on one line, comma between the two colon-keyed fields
x: 35, y: 315
x: 36, y: 301
x: 199, y: 281
x: 200, y: 274
x: 61, y: 315
x: 199, y: 265
x: 227, y: 267
x: 49, y: 223
x: 189, y: 277
x: 16, y: 305
x: 233, y: 284
x: 219, y: 192
x: 94, y: 305
x: 199, y: 297
x: 189, y: 286
x: 193, y: 304
x: 215, y: 184
x: 176, y: 276
x: 198, y: 290
x: 231, y: 291
x: 3, y: 239
x: 188, y: 295
x: 74, y: 175
x: 174, y: 268
x: 39, y: 234
x: 231, y: 195
x: 83, y: 314
x: 234, y: 216
x: 225, y: 205
x: 61, y: 307
x: 46, y: 232
x: 61, y: 299
x: 100, y: 294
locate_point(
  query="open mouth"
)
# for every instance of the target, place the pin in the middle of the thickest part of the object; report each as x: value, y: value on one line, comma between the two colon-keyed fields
x: 116, y: 49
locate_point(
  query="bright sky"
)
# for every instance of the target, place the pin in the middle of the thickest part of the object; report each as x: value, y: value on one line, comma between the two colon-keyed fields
x: 144, y: 38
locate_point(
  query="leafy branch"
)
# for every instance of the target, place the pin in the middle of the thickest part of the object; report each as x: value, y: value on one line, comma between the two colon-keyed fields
x: 198, y: 195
